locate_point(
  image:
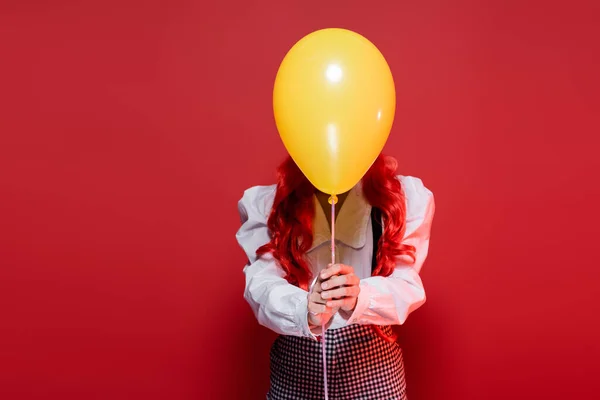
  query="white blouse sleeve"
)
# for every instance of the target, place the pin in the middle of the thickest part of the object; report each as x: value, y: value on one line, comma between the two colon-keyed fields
x: 389, y: 300
x: 277, y: 304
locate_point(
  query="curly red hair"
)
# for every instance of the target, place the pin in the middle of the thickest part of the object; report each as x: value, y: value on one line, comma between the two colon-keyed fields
x: 291, y: 218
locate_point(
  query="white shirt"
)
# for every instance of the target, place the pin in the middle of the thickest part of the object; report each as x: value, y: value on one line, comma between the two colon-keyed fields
x: 282, y: 307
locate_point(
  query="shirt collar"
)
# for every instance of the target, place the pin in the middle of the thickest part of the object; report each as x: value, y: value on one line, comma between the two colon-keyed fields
x: 350, y: 224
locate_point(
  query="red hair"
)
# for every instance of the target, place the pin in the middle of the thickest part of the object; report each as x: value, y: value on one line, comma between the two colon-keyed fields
x: 291, y: 218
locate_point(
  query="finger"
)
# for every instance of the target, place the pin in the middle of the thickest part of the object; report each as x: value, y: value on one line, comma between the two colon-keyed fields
x: 336, y: 269
x: 317, y: 286
x: 332, y: 294
x: 316, y: 308
x: 321, y: 310
x: 340, y: 280
x: 334, y: 282
x: 331, y: 270
x: 316, y: 297
x: 315, y: 320
x: 346, y: 291
x: 345, y: 303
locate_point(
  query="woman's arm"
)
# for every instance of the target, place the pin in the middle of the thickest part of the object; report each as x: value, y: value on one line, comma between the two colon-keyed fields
x: 386, y: 300
x: 277, y: 304
x: 389, y: 300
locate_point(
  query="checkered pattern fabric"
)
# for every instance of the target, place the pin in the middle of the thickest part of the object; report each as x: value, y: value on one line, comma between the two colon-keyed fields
x: 360, y: 366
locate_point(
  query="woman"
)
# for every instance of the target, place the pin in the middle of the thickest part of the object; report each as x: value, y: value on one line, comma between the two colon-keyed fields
x: 382, y: 235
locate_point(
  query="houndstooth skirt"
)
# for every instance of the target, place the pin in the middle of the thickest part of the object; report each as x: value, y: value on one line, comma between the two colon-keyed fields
x: 360, y: 366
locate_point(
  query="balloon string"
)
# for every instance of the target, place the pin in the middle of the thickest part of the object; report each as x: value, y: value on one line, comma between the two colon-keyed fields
x: 324, y: 359
x: 332, y: 200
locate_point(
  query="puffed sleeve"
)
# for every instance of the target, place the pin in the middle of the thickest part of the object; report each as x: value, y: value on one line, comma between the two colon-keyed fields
x: 389, y: 300
x: 277, y: 304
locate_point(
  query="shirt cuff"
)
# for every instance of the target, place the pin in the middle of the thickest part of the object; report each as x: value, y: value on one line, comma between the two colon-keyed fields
x: 362, y: 304
x: 302, y: 317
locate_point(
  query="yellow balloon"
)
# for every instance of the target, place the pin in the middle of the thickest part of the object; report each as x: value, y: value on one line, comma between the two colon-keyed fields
x: 334, y: 102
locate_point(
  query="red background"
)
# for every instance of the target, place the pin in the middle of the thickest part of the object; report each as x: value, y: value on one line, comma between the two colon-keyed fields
x: 129, y: 129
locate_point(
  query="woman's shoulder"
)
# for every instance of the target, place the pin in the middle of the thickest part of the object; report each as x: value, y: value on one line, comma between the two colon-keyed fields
x: 413, y: 186
x: 418, y: 197
x: 258, y: 199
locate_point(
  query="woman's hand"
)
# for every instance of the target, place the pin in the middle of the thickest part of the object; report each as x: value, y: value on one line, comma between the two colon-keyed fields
x: 318, y: 312
x: 340, y: 287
